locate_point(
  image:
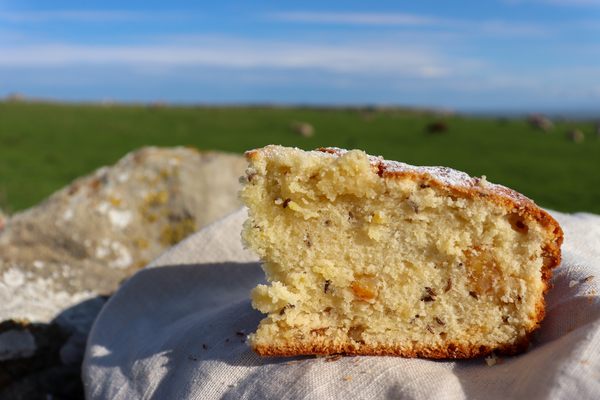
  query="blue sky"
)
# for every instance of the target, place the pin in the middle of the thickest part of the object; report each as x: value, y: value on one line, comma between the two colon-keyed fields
x: 504, y: 55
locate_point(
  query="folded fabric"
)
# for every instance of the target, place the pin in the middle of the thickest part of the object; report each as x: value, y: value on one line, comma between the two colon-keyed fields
x: 176, y: 330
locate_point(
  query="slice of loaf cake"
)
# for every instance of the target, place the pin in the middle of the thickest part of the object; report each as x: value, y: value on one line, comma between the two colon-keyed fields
x: 367, y: 256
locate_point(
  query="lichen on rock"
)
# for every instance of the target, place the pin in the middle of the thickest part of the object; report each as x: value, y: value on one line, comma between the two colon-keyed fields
x: 84, y: 240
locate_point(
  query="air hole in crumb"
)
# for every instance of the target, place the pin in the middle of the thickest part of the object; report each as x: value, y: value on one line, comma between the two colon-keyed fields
x: 429, y: 296
x: 443, y: 335
x: 424, y: 186
x: 326, y: 286
x: 327, y: 222
x: 356, y: 333
x: 505, y: 319
x: 439, y: 321
x: 473, y: 294
x: 307, y: 240
x: 318, y: 331
x: 518, y: 223
x: 414, y: 206
x: 286, y: 202
x: 287, y: 307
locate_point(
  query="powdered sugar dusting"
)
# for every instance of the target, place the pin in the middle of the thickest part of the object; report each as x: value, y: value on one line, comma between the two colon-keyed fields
x: 443, y: 175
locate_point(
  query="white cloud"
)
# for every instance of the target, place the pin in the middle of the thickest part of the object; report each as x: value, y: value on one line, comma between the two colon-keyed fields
x: 87, y: 16
x: 512, y: 29
x: 366, y: 58
x: 347, y: 18
x: 486, y: 27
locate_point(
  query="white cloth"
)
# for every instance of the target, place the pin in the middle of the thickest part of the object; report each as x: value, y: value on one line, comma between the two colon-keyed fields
x: 176, y: 331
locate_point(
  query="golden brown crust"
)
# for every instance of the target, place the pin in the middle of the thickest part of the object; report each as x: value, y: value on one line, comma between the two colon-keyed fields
x: 449, y: 351
x: 456, y: 184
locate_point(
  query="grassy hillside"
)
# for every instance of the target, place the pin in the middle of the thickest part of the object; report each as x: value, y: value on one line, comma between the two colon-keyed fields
x: 45, y: 146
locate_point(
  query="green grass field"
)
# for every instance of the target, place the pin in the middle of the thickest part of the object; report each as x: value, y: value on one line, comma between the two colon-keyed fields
x: 43, y: 146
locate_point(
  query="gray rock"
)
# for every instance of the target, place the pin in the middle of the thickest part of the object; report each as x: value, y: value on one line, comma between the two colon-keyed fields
x: 59, y: 259
x: 88, y: 237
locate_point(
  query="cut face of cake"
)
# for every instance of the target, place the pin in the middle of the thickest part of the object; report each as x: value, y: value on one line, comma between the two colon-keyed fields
x: 367, y: 256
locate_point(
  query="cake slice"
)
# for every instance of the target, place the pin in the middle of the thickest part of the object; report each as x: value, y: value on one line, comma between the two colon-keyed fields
x: 367, y: 256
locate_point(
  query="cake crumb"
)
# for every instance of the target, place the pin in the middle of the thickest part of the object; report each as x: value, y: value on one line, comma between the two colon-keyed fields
x: 482, y: 182
x: 347, y: 378
x: 491, y: 360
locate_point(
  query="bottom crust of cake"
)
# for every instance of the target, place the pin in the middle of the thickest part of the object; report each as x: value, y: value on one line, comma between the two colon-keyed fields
x: 448, y: 351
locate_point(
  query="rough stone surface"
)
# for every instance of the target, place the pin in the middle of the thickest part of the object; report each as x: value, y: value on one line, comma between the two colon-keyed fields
x: 60, y: 259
